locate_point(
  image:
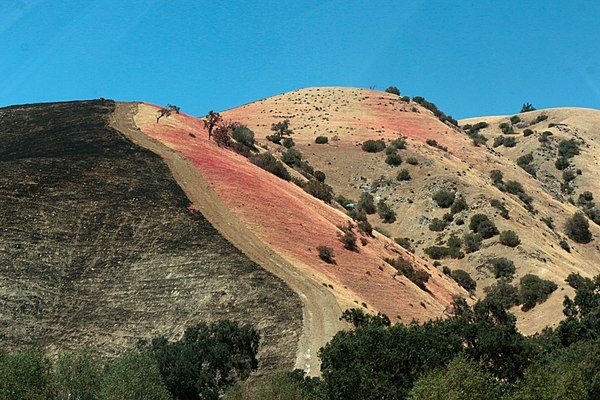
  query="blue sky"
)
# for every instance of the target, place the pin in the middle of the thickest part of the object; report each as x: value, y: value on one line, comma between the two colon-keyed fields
x: 471, y: 58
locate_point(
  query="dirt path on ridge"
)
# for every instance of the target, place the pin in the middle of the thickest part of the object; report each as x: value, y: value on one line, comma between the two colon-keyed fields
x: 320, y: 312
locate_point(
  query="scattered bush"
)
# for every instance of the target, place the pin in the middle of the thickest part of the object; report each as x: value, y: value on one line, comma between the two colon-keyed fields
x: 506, y: 128
x: 509, y: 238
x: 365, y: 227
x: 242, y: 134
x: 412, y: 161
x: 500, y: 206
x: 525, y: 162
x: 562, y: 163
x: 416, y: 275
x: 348, y: 238
x: 463, y: 278
x: 326, y: 254
x: 565, y: 245
x: 385, y: 212
x: 434, y: 143
x: 527, y: 132
x: 544, y: 137
x: 502, y: 268
x: 320, y: 176
x: 534, y: 290
x: 399, y: 143
x: 366, y: 203
x: 439, y: 252
x: 437, y: 225
x: 498, y: 141
x: 472, y: 242
x: 288, y: 142
x: 405, y: 242
x: 403, y: 175
x: 319, y: 190
x: 394, y: 160
x: 577, y: 228
x: 539, y: 118
x: 549, y: 221
x: 433, y: 108
x: 509, y: 142
x: 373, y: 146
x: 444, y: 198
x: 515, y: 119
x: 274, y: 138
x: 458, y: 205
x: 291, y: 157
x: 269, y: 163
x: 321, y: 140
x: 504, y: 292
x: 393, y: 90
x: 568, y: 148
x: 481, y: 224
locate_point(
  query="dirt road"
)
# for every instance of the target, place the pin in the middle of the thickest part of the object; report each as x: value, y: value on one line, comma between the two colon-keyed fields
x: 321, y: 312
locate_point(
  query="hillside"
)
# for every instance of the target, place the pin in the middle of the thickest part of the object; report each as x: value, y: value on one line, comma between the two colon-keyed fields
x: 349, y: 117
x: 117, y: 224
x: 100, y: 247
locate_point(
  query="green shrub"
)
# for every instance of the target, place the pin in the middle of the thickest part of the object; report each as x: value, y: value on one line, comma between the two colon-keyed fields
x: 568, y: 148
x: 439, y: 252
x: 504, y: 292
x: 527, y: 132
x: 403, y: 175
x: 412, y: 161
x: 459, y: 204
x: 482, y: 225
x: 274, y: 138
x: 385, y: 212
x: 416, y: 275
x: 514, y: 187
x: 434, y: 143
x: 498, y: 141
x: 472, y: 242
x: 365, y: 227
x: 321, y: 140
x: 561, y: 163
x: 319, y: 190
x: 405, y: 242
x: 348, y: 238
x: 326, y: 254
x: 24, y: 374
x: 497, y: 177
x: 544, y: 138
x: 539, y: 118
x: 578, y: 228
x: 269, y: 163
x: 366, y: 203
x: 509, y: 142
x: 393, y: 90
x: 454, y: 242
x: 244, y: 135
x: 506, y: 128
x: 500, y: 206
x: 565, y: 245
x: 373, y: 146
x: 437, y: 225
x: 463, y: 278
x: 433, y: 108
x: 568, y: 176
x: 534, y: 290
x: 515, y: 119
x: 288, y: 142
x: 444, y: 198
x: 502, y: 268
x: 525, y: 162
x: 509, y: 238
x: 320, y: 176
x: 291, y: 157
x: 394, y: 160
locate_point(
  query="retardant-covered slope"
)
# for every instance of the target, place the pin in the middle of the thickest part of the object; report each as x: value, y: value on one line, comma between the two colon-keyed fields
x: 444, y: 157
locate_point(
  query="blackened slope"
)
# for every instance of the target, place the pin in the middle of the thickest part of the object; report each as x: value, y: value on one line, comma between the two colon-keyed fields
x: 98, y: 246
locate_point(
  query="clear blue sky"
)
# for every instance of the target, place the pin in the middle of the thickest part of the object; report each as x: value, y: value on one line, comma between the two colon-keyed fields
x: 471, y: 58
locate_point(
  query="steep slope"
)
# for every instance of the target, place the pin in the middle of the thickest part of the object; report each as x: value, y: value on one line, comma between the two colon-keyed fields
x: 348, y: 117
x: 291, y: 223
x: 99, y: 245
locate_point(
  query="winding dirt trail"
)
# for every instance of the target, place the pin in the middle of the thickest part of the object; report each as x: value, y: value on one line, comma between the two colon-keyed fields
x: 321, y: 311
